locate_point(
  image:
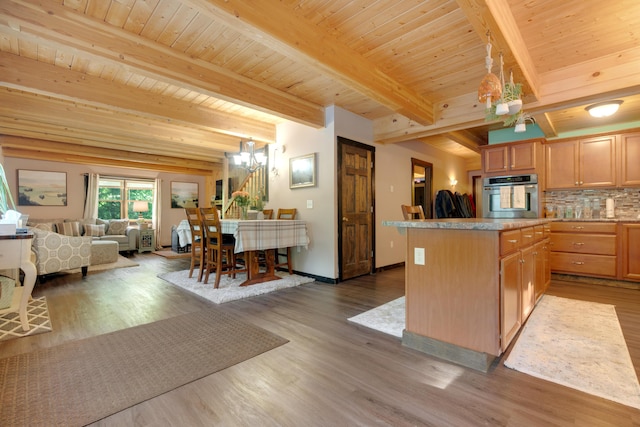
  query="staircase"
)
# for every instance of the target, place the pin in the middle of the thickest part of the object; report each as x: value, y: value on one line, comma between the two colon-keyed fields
x: 254, y: 183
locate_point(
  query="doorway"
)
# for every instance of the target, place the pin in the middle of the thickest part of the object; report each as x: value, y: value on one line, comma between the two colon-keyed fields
x: 421, y: 186
x: 356, y: 232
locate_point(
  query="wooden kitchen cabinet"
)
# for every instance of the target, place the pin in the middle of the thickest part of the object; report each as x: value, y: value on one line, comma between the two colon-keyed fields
x: 584, y: 248
x: 584, y: 163
x: 510, y: 297
x: 630, y: 251
x: 511, y: 158
x: 628, y: 170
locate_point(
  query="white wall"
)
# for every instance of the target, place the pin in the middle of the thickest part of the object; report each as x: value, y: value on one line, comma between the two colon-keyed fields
x: 75, y: 190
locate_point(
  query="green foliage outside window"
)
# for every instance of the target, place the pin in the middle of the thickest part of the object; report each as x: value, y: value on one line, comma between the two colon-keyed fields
x: 112, y: 201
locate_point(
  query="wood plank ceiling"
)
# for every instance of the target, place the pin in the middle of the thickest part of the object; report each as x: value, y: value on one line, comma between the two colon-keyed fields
x: 173, y: 84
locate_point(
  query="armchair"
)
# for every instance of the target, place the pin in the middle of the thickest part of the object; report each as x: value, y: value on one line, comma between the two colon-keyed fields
x: 56, y: 252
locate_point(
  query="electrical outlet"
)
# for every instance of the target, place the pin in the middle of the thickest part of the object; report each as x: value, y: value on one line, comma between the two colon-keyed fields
x: 391, y: 242
x: 418, y: 256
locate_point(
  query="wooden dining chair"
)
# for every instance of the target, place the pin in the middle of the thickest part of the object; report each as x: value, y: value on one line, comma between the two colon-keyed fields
x: 410, y: 212
x: 289, y: 214
x: 197, y: 242
x: 268, y: 213
x: 219, y: 252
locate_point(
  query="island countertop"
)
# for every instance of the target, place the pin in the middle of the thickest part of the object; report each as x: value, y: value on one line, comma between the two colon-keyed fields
x: 489, y: 224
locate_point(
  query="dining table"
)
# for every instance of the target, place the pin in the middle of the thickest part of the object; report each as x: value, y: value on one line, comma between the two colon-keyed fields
x: 264, y: 235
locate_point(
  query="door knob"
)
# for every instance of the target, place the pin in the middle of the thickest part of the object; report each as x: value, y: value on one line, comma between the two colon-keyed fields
x: 345, y: 219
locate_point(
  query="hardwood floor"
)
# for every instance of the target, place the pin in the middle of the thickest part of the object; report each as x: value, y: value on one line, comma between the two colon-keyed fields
x: 332, y: 372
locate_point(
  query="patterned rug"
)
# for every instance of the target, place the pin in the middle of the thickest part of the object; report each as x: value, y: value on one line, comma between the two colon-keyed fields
x: 580, y: 345
x: 388, y: 318
x: 230, y: 289
x: 37, y: 315
x: 80, y: 382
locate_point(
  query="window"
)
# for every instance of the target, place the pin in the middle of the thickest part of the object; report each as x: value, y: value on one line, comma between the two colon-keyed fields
x: 116, y: 197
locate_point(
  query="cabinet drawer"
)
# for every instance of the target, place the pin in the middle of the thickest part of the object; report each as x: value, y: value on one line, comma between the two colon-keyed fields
x: 538, y: 232
x: 598, y: 265
x: 597, y: 244
x: 10, y: 254
x: 583, y: 227
x: 510, y: 241
x: 528, y: 236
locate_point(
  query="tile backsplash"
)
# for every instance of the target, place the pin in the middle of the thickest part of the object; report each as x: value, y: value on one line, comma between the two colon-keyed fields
x: 626, y: 200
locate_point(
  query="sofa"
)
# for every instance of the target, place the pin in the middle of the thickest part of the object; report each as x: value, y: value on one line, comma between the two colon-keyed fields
x: 118, y: 230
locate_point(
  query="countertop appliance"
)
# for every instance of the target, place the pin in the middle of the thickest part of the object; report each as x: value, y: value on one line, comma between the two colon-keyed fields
x: 513, y: 196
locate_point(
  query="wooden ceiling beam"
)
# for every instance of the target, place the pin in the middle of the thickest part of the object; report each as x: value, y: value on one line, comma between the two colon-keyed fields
x: 60, y: 27
x: 37, y: 77
x: 280, y: 28
x: 466, y: 139
x: 31, y: 146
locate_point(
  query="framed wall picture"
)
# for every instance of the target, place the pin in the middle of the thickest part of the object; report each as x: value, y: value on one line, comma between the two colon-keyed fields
x: 42, y: 188
x: 184, y: 195
x: 302, y: 171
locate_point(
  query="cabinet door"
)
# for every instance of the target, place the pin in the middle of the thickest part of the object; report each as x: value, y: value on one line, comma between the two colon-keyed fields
x: 597, y: 166
x: 522, y: 156
x: 562, y: 164
x: 510, y: 319
x: 629, y: 172
x: 495, y: 159
x: 630, y: 251
x: 528, y: 282
x: 540, y: 256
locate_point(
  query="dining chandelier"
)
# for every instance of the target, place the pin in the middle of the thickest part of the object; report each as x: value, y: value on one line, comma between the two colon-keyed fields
x: 248, y: 158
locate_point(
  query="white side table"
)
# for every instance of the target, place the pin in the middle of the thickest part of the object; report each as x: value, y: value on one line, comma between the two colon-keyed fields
x: 15, y: 252
x: 147, y: 240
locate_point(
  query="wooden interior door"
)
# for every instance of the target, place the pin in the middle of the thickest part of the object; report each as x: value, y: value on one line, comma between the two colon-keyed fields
x: 355, y: 209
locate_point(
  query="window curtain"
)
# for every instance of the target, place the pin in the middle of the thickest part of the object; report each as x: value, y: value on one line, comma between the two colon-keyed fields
x: 155, y: 215
x: 91, y: 197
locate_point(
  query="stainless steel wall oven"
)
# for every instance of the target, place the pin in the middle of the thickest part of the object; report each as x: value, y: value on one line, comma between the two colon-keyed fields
x: 514, y: 196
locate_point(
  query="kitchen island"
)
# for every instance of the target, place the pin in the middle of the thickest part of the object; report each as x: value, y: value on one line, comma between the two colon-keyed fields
x: 471, y: 283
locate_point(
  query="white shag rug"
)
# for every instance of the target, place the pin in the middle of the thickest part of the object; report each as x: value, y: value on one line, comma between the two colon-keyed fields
x: 388, y: 318
x: 230, y: 289
x: 580, y: 345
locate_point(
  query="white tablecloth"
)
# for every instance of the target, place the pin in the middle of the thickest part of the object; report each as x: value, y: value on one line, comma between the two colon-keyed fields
x: 263, y: 234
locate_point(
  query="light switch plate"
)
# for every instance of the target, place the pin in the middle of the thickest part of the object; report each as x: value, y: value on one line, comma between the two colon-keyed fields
x: 418, y: 256
x: 309, y: 204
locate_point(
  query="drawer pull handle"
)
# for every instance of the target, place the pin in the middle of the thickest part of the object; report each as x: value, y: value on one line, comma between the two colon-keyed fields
x: 577, y: 227
x: 538, y: 232
x: 528, y: 236
x: 578, y: 262
x: 578, y: 243
x: 512, y: 241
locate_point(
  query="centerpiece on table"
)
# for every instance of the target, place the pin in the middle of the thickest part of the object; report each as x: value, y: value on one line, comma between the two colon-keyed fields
x: 242, y: 199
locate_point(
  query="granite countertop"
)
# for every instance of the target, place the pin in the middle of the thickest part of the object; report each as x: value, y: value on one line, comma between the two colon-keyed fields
x: 624, y: 219
x: 470, y: 223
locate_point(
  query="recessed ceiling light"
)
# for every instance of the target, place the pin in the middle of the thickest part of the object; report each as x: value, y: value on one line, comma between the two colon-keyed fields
x: 603, y: 109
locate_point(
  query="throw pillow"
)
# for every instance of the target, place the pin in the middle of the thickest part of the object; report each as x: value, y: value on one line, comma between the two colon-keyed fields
x: 46, y: 226
x: 117, y: 226
x: 94, y: 230
x: 68, y: 228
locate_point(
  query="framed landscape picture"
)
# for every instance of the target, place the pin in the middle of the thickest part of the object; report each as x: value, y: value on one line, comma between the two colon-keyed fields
x: 41, y: 188
x: 302, y: 171
x: 184, y: 195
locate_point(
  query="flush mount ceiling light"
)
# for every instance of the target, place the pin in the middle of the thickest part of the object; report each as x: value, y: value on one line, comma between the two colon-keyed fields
x: 603, y: 109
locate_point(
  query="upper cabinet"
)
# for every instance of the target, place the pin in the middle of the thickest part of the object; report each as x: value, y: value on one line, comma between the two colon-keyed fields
x: 515, y: 157
x: 629, y: 165
x: 584, y: 163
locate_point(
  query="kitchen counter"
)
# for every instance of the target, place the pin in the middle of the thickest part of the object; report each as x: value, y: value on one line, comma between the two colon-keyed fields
x: 459, y: 306
x: 470, y: 223
x: 627, y: 219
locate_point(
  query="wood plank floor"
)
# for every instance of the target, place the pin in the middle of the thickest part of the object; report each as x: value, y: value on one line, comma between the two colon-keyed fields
x: 332, y: 372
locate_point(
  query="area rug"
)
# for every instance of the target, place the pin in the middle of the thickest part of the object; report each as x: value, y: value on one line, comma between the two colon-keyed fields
x: 388, y: 318
x: 230, y: 289
x: 83, y: 381
x: 580, y: 345
x: 171, y: 254
x: 37, y: 315
x: 122, y: 262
